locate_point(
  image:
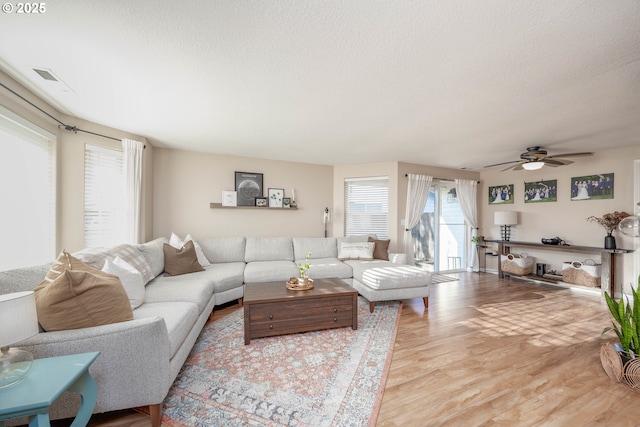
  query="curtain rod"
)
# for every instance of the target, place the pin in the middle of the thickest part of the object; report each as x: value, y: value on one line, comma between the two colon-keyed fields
x: 440, y: 179
x: 62, y: 125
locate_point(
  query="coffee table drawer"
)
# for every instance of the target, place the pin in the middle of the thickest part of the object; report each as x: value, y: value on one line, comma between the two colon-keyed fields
x: 303, y: 324
x: 300, y: 308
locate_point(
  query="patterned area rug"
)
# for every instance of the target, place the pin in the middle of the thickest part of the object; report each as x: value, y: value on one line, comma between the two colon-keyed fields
x: 334, y: 377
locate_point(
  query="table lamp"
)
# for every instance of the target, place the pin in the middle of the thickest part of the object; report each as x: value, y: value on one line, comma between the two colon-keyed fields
x: 18, y: 321
x: 505, y: 219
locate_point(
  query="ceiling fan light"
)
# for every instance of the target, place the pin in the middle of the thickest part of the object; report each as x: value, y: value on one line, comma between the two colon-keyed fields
x: 533, y: 166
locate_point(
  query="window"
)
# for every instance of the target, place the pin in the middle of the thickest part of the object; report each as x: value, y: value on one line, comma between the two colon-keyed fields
x: 367, y: 206
x: 27, y: 173
x: 103, y: 197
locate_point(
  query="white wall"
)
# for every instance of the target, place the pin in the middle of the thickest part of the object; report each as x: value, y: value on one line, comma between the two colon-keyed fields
x: 186, y: 182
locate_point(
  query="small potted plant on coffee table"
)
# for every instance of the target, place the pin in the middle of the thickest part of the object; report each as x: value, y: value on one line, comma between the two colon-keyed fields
x: 303, y: 268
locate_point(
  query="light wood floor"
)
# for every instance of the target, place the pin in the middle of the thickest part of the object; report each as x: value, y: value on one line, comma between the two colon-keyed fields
x: 493, y: 352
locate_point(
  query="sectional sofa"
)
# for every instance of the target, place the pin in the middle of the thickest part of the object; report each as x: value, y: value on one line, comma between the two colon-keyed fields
x: 141, y: 358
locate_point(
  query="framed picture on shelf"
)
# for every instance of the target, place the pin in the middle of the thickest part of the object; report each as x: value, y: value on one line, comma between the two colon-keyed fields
x: 248, y: 187
x: 286, y: 202
x: 229, y: 198
x: 262, y: 202
x: 592, y: 187
x: 275, y: 197
x: 541, y: 191
x: 501, y: 194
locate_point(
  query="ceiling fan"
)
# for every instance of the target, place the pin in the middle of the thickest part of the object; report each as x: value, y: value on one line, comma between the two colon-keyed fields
x: 536, y: 157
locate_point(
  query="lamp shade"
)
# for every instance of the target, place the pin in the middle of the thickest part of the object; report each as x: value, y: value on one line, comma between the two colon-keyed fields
x: 18, y: 317
x: 532, y: 166
x: 505, y: 218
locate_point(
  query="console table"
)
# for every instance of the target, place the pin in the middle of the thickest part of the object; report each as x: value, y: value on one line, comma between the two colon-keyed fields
x: 607, y: 278
x: 45, y: 382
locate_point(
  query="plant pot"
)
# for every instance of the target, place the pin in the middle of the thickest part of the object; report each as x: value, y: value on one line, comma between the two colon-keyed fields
x: 303, y: 280
x: 609, y: 242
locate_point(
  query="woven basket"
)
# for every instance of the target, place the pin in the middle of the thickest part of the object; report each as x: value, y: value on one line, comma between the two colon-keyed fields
x: 579, y: 273
x: 516, y: 265
x: 625, y: 371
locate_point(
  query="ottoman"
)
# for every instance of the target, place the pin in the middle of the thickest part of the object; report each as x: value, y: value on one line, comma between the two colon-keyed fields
x: 379, y: 280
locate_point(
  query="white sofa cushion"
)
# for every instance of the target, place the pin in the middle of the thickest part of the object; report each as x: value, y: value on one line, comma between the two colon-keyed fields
x: 320, y: 247
x: 197, y: 292
x: 220, y: 277
x: 378, y: 274
x: 269, y: 249
x: 270, y: 271
x: 323, y: 268
x: 179, y: 317
x: 223, y: 249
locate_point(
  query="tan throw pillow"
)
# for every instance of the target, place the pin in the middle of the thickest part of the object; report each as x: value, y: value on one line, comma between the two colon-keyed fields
x: 81, y: 299
x: 180, y: 261
x: 65, y: 261
x: 381, y: 249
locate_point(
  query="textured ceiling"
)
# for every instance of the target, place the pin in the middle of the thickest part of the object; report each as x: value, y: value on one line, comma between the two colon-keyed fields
x: 457, y: 84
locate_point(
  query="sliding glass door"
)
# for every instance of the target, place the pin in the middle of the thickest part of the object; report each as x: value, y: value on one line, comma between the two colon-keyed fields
x: 440, y: 236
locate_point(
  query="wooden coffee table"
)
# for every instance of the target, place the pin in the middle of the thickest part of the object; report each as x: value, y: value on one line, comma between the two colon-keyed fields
x: 272, y: 309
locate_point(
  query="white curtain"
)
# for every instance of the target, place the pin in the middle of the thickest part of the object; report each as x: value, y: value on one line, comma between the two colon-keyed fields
x: 417, y: 194
x: 132, y: 168
x: 467, y: 191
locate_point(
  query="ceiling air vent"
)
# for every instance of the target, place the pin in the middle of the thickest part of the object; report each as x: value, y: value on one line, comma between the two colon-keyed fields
x: 45, y: 74
x: 51, y: 80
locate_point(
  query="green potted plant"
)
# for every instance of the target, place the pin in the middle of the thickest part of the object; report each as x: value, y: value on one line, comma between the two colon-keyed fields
x: 303, y: 268
x: 626, y: 322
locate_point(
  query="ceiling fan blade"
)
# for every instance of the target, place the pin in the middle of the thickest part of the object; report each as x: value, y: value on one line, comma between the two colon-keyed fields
x: 586, y: 153
x: 516, y: 167
x: 503, y: 163
x: 556, y: 162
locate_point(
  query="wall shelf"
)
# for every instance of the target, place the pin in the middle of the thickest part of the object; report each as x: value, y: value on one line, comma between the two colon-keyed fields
x: 264, y: 208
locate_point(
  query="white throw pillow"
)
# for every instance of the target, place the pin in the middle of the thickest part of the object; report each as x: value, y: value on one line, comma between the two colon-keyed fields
x: 361, y: 251
x: 130, y: 277
x: 178, y: 243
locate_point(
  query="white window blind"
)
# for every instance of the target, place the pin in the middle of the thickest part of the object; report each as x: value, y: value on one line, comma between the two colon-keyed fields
x: 367, y: 206
x: 27, y: 174
x: 103, y: 197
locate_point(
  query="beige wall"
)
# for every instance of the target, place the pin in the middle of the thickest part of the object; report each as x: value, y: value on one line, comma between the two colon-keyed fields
x: 566, y: 218
x: 70, y: 162
x: 186, y: 182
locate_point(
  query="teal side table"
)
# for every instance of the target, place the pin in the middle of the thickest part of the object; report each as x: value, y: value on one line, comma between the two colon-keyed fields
x: 45, y: 382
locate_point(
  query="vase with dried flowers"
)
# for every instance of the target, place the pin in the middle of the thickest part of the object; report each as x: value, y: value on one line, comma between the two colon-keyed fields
x: 609, y: 221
